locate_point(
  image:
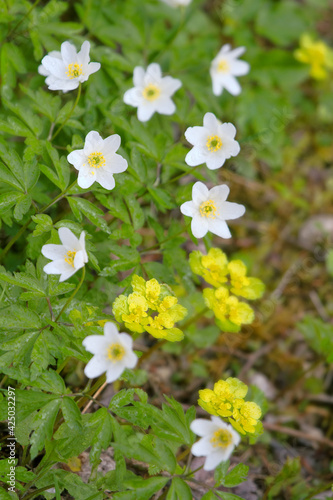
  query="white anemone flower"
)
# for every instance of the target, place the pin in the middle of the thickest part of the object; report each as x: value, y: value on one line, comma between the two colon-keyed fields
x: 212, y: 144
x: 177, y: 3
x: 66, y: 69
x: 152, y: 92
x: 209, y: 210
x: 98, y: 160
x: 225, y: 67
x: 217, y: 442
x: 112, y: 353
x: 68, y: 257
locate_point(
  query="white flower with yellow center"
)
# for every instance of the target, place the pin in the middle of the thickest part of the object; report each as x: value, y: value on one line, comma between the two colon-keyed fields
x: 217, y: 442
x: 210, y: 210
x: 212, y: 144
x: 64, y: 70
x: 152, y: 92
x: 112, y: 353
x: 68, y: 257
x: 225, y: 67
x: 98, y: 161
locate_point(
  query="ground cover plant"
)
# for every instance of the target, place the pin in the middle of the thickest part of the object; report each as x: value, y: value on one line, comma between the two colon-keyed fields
x: 166, y: 251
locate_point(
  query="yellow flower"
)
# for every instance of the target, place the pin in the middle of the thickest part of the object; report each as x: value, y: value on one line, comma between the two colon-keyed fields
x: 249, y: 288
x: 317, y: 54
x: 226, y: 307
x: 212, y: 267
x: 246, y: 417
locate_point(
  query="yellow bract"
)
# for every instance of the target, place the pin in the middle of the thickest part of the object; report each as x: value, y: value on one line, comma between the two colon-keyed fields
x: 150, y: 308
x: 317, y: 54
x: 227, y: 400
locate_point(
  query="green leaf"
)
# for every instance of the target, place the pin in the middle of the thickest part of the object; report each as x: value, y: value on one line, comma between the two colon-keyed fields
x: 236, y: 476
x: 7, y: 200
x: 179, y: 490
x: 89, y: 210
x: 72, y: 414
x: 319, y: 335
x: 162, y: 199
x: 17, y: 317
x: 221, y: 471
x: 102, y: 436
x: 9, y: 178
x: 43, y: 224
x: 329, y: 262
x: 23, y: 280
x: 42, y: 425
x: 143, y: 489
x: 22, y: 206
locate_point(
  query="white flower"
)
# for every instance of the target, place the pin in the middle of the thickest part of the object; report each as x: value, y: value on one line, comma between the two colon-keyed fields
x: 225, y: 67
x: 68, y: 257
x: 66, y: 69
x: 98, y: 160
x: 213, y: 143
x: 210, y: 210
x: 177, y: 3
x: 151, y: 92
x: 217, y: 442
x: 112, y: 353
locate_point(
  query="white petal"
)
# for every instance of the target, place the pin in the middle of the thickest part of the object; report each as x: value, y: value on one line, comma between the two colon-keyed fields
x: 55, y: 67
x: 196, y: 156
x: 219, y: 227
x: 226, y: 130
x: 203, y: 427
x: 188, y: 208
x: 217, y: 84
x: 199, y: 226
x: 230, y: 147
x: 213, y: 460
x: 115, y: 164
x: 67, y: 274
x: 68, y: 239
x: 231, y: 85
x: 86, y: 177
x: 165, y: 106
x: 133, y: 97
x: 230, y: 211
x: 65, y: 85
x: 146, y: 111
x: 126, y: 340
x: 210, y: 121
x: 202, y: 447
x: 82, y: 245
x: 105, y: 178
x: 138, y: 76
x: 200, y: 193
x: 57, y: 267
x: 96, y: 344
x: 114, y: 371
x: 111, y: 332
x: 83, y: 55
x: 93, y: 142
x: 153, y: 73
x: 68, y: 53
x: 239, y: 68
x: 169, y: 85
x: 215, y: 161
x: 130, y: 359
x: 111, y: 144
x: 95, y: 367
x: 79, y: 260
x: 77, y: 158
x: 219, y: 193
x: 195, y: 135
x: 237, y: 52
x: 89, y: 70
x: 54, y: 252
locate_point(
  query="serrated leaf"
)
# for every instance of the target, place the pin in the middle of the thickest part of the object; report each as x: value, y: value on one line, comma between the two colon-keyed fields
x: 42, y: 426
x: 236, y: 476
x: 179, y: 490
x: 7, y: 200
x: 17, y: 317
x: 72, y: 414
x: 43, y: 224
x: 89, y: 210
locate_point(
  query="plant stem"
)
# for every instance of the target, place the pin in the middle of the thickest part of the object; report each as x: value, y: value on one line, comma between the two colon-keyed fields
x: 57, y: 198
x: 73, y: 294
x: 69, y: 114
x: 97, y: 393
x: 14, y: 239
x: 23, y: 18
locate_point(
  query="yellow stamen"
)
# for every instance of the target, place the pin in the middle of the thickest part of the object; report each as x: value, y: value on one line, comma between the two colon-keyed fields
x: 116, y: 352
x: 69, y: 258
x: 221, y: 438
x: 213, y: 143
x: 208, y: 209
x: 74, y: 70
x: 223, y: 66
x: 151, y: 92
x: 96, y: 160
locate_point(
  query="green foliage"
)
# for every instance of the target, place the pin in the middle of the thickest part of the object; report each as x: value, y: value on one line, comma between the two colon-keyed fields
x: 319, y: 335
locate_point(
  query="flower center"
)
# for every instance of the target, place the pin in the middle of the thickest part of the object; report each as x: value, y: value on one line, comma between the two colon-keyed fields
x: 69, y: 257
x: 151, y: 92
x: 74, y: 70
x: 96, y: 160
x: 213, y: 143
x: 221, y: 438
x: 208, y: 209
x: 116, y: 352
x: 223, y: 66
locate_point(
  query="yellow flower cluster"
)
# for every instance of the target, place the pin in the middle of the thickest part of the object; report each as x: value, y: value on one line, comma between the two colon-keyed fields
x: 229, y: 280
x: 151, y: 307
x: 317, y: 54
x: 227, y: 400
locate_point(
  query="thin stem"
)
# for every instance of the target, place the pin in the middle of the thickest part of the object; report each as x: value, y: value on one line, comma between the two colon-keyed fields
x: 23, y: 18
x: 97, y: 393
x: 57, y: 198
x: 73, y: 294
x: 69, y: 114
x: 14, y: 239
